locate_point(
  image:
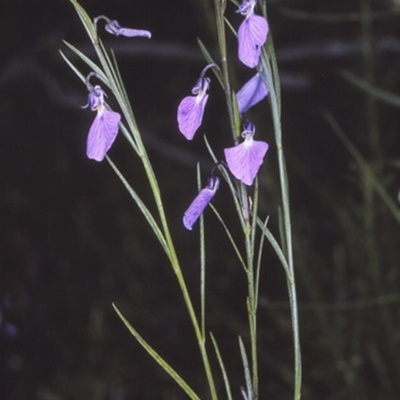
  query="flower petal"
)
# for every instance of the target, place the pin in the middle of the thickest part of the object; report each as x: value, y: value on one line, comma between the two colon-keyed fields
x: 251, y: 93
x: 128, y: 32
x: 252, y: 35
x: 115, y: 28
x: 245, y: 159
x: 190, y: 114
x: 102, y: 134
x: 201, y: 201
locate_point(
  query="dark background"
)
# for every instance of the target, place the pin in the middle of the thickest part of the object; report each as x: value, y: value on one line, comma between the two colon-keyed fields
x: 72, y: 242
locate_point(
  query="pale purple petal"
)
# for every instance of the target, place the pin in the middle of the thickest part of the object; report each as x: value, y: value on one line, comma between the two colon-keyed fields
x: 102, y: 134
x: 201, y: 201
x: 245, y: 159
x: 115, y: 28
x: 252, y: 35
x: 128, y: 32
x: 251, y: 93
x: 190, y: 114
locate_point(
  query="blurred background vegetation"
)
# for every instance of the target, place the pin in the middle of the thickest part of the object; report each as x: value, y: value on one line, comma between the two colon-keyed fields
x: 72, y: 242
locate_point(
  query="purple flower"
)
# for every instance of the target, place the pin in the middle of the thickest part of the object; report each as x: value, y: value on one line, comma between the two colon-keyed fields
x: 252, y: 34
x: 113, y: 27
x: 104, y: 128
x: 251, y: 93
x: 191, y: 108
x: 245, y: 159
x: 201, y: 201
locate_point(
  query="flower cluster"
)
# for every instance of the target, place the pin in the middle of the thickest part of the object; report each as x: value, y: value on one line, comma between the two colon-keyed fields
x: 245, y: 159
x: 105, y: 126
x: 252, y: 35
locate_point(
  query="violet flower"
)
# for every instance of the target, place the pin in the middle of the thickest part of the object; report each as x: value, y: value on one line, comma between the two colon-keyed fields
x: 245, y: 159
x: 113, y: 27
x: 252, y: 34
x: 104, y: 128
x: 191, y: 108
x: 251, y: 93
x: 201, y: 201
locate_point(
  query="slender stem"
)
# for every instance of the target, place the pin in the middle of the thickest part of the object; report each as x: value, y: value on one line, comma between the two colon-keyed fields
x: 219, y: 11
x: 249, y: 243
x: 252, y: 311
x: 251, y: 284
x: 160, y: 208
x: 287, y: 228
x: 178, y: 272
x: 202, y: 264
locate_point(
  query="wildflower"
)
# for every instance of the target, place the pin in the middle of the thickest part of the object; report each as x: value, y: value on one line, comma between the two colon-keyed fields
x: 191, y: 108
x: 252, y: 34
x: 201, y: 201
x: 251, y: 93
x: 104, y: 128
x: 113, y: 27
x: 245, y: 159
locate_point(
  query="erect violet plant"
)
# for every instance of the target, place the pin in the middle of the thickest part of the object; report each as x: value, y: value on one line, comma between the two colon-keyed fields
x: 104, y: 128
x: 245, y: 159
x: 243, y: 162
x: 252, y: 34
x: 191, y: 108
x: 113, y: 27
x: 252, y: 92
x: 199, y: 204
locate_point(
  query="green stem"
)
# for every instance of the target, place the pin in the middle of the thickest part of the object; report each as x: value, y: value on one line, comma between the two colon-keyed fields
x: 177, y: 269
x: 178, y: 272
x: 160, y: 208
x: 252, y: 311
x: 287, y: 228
x: 219, y: 11
x: 245, y: 215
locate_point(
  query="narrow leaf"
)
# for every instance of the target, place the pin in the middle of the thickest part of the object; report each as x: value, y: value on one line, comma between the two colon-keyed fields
x: 275, y: 245
x: 94, y: 67
x: 86, y: 21
x: 233, y: 30
x: 222, y: 366
x: 230, y: 237
x: 167, y: 368
x: 72, y: 66
x: 142, y: 207
x: 210, y: 60
x: 258, y: 265
x: 246, y: 367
